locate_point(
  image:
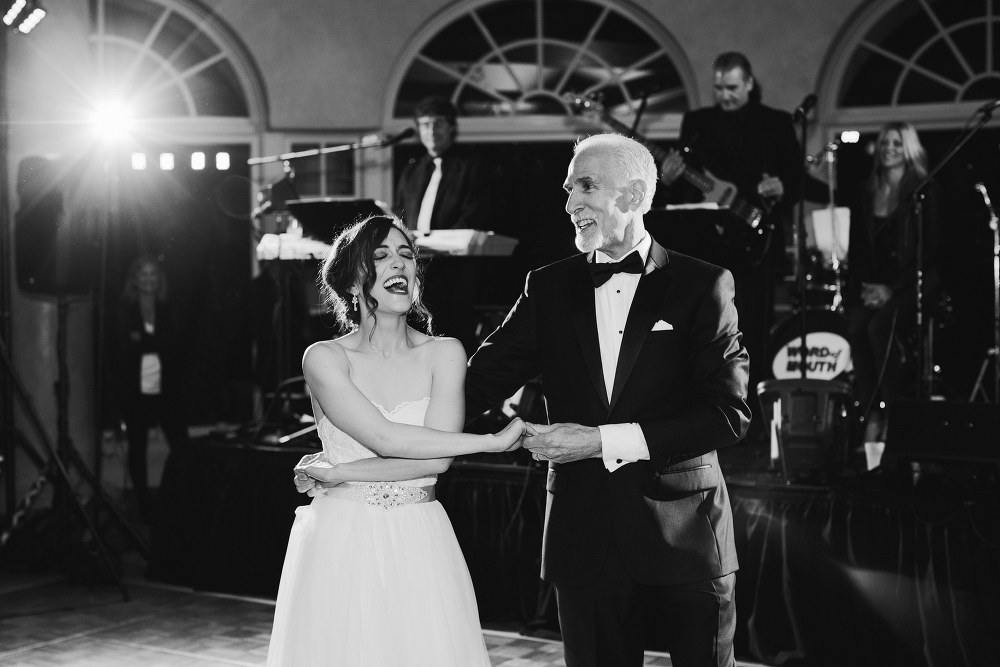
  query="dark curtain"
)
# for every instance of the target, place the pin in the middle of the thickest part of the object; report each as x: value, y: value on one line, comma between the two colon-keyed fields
x: 867, y: 577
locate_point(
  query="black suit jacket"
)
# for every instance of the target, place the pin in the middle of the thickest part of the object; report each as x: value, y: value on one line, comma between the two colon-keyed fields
x: 767, y: 144
x: 462, y: 200
x: 686, y: 387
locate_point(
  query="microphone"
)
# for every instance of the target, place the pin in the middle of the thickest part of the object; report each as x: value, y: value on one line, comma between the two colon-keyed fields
x: 374, y: 140
x: 808, y: 103
x: 989, y: 107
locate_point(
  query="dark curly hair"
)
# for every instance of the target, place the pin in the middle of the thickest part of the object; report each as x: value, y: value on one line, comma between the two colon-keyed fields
x: 351, y: 261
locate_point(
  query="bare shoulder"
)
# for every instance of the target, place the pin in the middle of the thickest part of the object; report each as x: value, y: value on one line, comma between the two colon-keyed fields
x: 326, y: 353
x: 447, y: 350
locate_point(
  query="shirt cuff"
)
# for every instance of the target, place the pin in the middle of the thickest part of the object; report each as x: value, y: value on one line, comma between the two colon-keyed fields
x: 621, y: 444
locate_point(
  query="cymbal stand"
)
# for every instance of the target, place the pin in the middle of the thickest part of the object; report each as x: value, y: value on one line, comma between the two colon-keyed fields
x: 830, y: 160
x: 994, y: 352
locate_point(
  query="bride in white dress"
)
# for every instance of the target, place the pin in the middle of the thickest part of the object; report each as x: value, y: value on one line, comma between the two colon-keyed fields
x: 373, y: 574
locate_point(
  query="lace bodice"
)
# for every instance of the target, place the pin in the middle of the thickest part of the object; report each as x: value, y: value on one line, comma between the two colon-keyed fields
x: 338, y: 447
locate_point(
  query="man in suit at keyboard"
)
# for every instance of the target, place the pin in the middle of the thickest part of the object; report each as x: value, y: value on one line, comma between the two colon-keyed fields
x: 446, y: 188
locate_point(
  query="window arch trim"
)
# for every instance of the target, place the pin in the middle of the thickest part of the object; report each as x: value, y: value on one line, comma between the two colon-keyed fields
x: 528, y: 127
x: 850, y: 38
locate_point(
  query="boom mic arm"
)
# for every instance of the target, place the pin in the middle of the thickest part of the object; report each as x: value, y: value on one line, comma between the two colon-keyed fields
x: 372, y: 141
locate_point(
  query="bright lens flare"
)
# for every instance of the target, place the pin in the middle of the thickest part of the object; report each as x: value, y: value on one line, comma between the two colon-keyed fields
x: 111, y: 121
x: 850, y: 136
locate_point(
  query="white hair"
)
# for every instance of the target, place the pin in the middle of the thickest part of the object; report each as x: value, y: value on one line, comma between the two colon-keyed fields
x: 632, y: 161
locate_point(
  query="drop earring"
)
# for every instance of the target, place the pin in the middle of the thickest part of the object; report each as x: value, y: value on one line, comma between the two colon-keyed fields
x: 354, y: 302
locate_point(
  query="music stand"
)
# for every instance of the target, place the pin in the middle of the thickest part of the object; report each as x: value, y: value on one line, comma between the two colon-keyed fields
x: 323, y: 218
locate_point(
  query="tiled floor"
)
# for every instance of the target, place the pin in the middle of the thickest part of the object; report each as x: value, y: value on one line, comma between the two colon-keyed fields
x: 46, y: 621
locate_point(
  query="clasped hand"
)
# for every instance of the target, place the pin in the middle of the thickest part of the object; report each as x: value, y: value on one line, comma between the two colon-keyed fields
x: 562, y: 443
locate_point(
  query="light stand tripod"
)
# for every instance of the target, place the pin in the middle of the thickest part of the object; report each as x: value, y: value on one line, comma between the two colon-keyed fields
x: 63, y: 455
x: 994, y: 352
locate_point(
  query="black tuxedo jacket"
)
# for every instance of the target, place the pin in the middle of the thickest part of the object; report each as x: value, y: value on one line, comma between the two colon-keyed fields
x: 685, y: 386
x: 462, y: 200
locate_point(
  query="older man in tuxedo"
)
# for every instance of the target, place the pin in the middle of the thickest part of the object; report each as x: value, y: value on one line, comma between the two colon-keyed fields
x: 645, y: 378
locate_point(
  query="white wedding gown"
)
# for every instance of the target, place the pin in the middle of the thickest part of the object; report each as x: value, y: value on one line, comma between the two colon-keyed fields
x: 365, y: 586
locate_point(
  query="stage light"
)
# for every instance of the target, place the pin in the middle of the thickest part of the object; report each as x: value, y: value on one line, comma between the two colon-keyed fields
x: 12, y: 11
x: 198, y: 160
x: 111, y: 120
x: 25, y: 14
x: 166, y: 161
x: 222, y: 161
x: 850, y: 136
x: 138, y: 161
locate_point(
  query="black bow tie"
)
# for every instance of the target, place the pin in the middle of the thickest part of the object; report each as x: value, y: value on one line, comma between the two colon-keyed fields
x: 601, y: 273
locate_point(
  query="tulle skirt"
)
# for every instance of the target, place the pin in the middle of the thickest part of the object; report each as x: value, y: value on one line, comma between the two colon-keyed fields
x: 367, y: 587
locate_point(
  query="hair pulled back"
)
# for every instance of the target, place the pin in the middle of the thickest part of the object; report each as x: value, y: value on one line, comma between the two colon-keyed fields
x: 350, y: 263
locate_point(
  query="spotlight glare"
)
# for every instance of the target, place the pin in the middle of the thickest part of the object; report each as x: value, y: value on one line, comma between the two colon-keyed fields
x: 222, y: 161
x: 198, y: 160
x: 138, y: 161
x: 166, y: 161
x: 112, y: 121
x: 850, y: 136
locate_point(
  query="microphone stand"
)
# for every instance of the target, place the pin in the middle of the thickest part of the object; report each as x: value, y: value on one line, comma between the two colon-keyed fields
x: 367, y: 142
x: 800, y: 247
x: 916, y: 199
x: 994, y: 352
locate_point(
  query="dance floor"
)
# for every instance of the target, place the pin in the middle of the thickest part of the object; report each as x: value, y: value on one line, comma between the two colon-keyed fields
x: 47, y: 620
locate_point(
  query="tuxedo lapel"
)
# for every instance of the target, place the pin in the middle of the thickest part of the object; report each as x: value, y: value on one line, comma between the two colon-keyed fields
x: 584, y: 315
x: 645, y: 305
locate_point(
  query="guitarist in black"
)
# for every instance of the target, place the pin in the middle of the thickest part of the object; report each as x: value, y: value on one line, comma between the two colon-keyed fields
x: 756, y: 148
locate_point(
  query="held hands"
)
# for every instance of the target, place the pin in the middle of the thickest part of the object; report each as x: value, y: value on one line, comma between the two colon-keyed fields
x: 770, y: 187
x: 672, y: 168
x: 875, y: 295
x: 510, y: 437
x: 563, y: 443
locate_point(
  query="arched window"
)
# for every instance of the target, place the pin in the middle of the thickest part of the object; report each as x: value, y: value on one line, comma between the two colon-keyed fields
x: 928, y: 61
x: 172, y: 60
x: 515, y: 61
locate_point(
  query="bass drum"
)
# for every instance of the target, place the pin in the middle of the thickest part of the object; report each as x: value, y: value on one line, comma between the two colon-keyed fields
x: 828, y: 354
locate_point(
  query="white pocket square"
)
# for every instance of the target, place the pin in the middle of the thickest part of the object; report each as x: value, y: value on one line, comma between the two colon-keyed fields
x: 662, y: 325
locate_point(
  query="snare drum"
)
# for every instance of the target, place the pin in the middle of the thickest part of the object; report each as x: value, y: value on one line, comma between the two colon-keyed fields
x: 829, y: 351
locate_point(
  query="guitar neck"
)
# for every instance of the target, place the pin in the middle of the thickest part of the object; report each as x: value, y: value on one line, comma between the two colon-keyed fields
x: 692, y: 177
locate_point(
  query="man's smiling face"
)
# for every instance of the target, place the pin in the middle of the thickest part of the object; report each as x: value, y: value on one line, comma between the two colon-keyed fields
x: 598, y: 205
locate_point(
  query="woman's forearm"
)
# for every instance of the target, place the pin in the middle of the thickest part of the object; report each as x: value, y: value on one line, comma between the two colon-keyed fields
x: 388, y: 470
x: 404, y: 441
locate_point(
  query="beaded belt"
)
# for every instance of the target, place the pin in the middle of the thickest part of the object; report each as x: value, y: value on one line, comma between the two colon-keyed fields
x: 386, y: 495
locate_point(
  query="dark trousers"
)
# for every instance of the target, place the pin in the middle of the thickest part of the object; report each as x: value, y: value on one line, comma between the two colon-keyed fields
x: 604, y: 624
x: 140, y: 415
x: 874, y: 337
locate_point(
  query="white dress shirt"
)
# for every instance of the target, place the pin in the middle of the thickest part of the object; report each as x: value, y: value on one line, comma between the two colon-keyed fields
x: 430, y: 195
x: 620, y: 443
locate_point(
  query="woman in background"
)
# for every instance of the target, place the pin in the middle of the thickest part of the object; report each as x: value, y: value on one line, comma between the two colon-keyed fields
x: 373, y: 574
x: 882, y: 264
x: 148, y: 373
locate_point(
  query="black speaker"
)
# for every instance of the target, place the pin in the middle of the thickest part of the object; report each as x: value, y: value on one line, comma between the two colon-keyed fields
x: 957, y: 440
x: 54, y: 253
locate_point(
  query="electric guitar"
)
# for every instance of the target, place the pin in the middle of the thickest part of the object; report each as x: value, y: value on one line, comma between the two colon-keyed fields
x: 752, y: 231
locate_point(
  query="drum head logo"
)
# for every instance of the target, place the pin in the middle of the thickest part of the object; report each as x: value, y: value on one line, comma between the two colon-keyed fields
x: 828, y: 355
